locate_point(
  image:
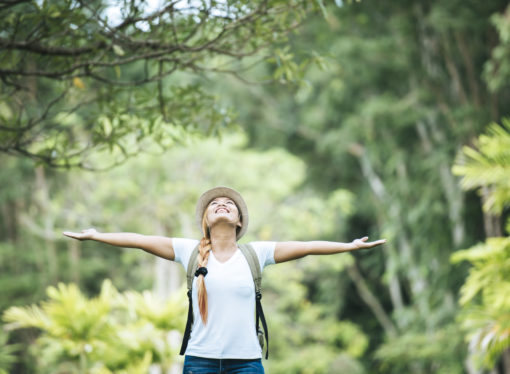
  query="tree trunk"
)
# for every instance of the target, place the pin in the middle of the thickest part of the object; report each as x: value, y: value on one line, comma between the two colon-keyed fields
x: 43, y: 201
x: 394, y: 209
x: 371, y: 300
x: 506, y: 361
x: 167, y: 280
x: 74, y: 254
x: 9, y: 214
x: 491, y: 222
x: 452, y: 191
x: 393, y: 282
x: 470, y: 68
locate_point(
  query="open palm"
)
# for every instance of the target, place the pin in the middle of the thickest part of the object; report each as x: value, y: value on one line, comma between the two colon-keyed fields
x: 83, y: 235
x: 363, y: 244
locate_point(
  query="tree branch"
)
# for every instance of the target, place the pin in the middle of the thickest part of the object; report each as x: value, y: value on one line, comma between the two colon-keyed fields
x: 371, y: 300
x: 48, y: 49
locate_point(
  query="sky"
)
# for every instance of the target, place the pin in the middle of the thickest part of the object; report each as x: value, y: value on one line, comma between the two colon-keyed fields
x: 114, y: 15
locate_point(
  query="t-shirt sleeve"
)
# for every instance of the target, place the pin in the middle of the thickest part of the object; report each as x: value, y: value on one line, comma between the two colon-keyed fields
x: 182, y: 249
x: 265, y: 252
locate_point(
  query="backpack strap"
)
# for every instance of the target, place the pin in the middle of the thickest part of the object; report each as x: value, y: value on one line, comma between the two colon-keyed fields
x: 192, y: 266
x: 190, y: 274
x: 253, y: 261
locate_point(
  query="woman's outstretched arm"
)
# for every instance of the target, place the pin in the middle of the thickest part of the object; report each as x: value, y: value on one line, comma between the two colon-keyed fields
x: 287, y: 251
x: 157, y: 245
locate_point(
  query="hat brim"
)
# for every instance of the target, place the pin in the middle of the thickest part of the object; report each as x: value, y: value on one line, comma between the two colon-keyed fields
x: 215, y: 192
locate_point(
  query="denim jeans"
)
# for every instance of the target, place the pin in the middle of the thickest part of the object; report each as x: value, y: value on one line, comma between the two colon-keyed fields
x: 200, y: 365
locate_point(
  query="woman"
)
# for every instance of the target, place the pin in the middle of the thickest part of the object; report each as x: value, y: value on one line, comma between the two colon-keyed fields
x: 222, y: 339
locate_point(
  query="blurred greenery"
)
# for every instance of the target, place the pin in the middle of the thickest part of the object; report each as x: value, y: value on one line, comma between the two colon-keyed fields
x: 485, y: 314
x: 7, y: 353
x: 334, y: 120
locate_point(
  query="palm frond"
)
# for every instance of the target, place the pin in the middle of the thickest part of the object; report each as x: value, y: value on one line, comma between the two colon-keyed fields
x: 488, y: 165
x: 485, y: 315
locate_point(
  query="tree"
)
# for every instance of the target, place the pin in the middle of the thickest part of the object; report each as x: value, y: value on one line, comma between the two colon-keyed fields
x: 82, y: 76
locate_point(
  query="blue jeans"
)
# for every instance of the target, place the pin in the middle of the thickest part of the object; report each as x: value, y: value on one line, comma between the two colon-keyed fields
x: 200, y: 365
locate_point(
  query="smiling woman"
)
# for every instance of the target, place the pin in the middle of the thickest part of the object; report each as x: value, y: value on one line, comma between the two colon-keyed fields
x: 223, y: 286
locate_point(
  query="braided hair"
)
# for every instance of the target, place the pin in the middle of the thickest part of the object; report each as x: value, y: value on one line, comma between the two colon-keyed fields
x: 203, y: 256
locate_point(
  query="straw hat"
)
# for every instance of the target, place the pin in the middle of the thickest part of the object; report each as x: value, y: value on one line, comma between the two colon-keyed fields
x: 215, y: 192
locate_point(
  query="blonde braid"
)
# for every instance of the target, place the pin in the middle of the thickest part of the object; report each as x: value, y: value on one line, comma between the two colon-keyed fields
x: 203, y: 256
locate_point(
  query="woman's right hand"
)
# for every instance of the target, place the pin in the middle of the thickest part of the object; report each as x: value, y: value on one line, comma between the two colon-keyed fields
x: 83, y: 235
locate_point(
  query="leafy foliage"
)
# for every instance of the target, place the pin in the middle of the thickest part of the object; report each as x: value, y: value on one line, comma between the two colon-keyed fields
x: 305, y: 337
x: 82, y: 76
x: 489, y: 166
x: 113, y: 332
x: 484, y: 296
x: 433, y: 352
x: 376, y: 124
x: 7, y: 353
x: 402, y: 92
x: 156, y: 195
x: 497, y: 69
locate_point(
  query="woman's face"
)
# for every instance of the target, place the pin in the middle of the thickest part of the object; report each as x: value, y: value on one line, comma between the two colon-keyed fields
x: 222, y: 209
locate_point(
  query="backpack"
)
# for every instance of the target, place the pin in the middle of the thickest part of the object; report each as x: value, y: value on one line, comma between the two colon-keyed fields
x: 253, y: 261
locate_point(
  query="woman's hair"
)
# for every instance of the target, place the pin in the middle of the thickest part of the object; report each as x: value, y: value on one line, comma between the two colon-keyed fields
x: 203, y: 256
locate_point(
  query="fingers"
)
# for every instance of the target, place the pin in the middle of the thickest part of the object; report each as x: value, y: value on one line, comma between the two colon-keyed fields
x: 80, y: 235
x: 71, y: 234
x: 366, y: 244
x: 377, y: 242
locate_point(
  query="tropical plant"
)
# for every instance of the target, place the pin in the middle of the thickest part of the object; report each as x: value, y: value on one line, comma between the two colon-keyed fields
x: 114, y: 332
x: 7, y: 356
x: 488, y: 166
x: 484, y: 298
x: 485, y: 314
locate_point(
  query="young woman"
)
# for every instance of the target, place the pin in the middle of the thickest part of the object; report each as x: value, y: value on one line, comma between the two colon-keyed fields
x: 223, y: 338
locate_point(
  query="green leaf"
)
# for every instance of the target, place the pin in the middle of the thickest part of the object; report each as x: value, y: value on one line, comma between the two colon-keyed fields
x: 118, y: 50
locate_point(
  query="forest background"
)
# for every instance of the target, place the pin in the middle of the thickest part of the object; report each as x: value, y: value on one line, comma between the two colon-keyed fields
x: 334, y: 120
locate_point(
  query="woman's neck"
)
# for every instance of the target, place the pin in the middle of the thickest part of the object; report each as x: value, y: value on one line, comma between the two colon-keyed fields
x: 223, y: 238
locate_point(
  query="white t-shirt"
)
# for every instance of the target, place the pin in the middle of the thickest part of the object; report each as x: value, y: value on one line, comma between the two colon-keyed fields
x: 230, y: 329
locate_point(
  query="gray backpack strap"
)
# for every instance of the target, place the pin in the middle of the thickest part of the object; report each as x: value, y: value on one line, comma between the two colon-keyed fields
x: 192, y: 266
x: 253, y: 261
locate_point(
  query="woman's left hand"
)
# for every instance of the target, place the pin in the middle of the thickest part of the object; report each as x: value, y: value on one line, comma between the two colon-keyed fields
x: 363, y: 244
